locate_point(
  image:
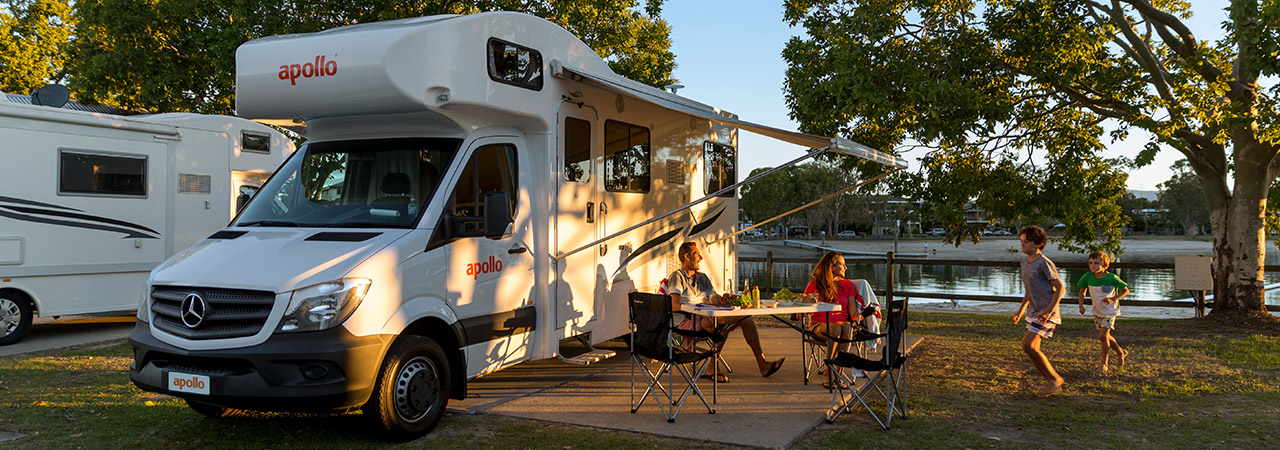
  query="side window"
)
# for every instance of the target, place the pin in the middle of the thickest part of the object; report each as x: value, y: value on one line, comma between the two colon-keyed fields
x: 718, y: 167
x: 102, y: 174
x: 492, y: 168
x: 626, y: 157
x: 515, y: 64
x: 577, y: 150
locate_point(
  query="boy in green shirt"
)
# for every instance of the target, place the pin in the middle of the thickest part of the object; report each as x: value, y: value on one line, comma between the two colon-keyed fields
x: 1102, y: 288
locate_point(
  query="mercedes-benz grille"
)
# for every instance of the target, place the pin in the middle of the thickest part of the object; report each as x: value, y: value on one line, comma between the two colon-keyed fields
x: 208, y: 313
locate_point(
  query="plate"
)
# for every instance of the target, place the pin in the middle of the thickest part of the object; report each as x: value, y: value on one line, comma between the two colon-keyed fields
x: 784, y: 303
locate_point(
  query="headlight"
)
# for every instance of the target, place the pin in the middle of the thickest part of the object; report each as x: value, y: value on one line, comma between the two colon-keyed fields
x: 324, y: 305
x: 144, y: 306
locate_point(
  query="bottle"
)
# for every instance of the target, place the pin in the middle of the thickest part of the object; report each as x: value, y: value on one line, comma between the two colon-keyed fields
x: 755, y: 296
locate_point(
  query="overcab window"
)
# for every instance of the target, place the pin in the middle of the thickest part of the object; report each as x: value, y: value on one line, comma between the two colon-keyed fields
x: 626, y: 157
x: 719, y: 168
x: 515, y: 64
x: 102, y: 174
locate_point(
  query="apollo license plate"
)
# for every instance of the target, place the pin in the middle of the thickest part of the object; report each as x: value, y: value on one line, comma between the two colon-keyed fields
x: 189, y: 383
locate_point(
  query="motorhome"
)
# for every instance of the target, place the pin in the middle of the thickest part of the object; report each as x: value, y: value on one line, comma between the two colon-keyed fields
x: 474, y: 191
x: 90, y: 202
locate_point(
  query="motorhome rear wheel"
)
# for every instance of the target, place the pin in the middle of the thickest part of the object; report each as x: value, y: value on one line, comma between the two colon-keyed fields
x: 412, y: 389
x: 15, y: 317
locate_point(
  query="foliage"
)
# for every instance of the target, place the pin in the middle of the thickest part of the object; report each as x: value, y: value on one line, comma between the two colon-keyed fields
x: 1184, y: 198
x: 1015, y: 100
x: 33, y: 38
x: 797, y: 185
x: 178, y: 55
x: 1131, y: 206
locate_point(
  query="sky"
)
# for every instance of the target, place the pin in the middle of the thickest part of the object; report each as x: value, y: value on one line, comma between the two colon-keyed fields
x: 729, y: 55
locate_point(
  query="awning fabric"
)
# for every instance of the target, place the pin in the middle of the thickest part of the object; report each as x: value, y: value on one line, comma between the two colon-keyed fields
x: 674, y: 102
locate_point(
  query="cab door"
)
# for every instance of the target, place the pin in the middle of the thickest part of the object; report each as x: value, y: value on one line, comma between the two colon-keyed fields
x: 579, y: 284
x: 490, y: 280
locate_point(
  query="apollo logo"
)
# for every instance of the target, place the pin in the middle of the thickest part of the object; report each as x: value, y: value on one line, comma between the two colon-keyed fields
x: 490, y: 266
x: 320, y: 67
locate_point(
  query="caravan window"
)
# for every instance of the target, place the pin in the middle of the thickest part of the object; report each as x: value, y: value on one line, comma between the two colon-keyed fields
x: 577, y: 150
x: 514, y: 64
x: 357, y: 183
x: 492, y: 168
x: 626, y: 157
x: 718, y: 168
x: 101, y: 174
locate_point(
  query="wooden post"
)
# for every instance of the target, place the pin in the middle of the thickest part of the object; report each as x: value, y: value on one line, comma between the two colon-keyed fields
x: 768, y: 268
x: 1199, y: 296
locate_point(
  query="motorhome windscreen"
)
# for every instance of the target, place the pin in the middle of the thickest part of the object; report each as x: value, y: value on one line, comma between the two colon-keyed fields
x: 358, y: 183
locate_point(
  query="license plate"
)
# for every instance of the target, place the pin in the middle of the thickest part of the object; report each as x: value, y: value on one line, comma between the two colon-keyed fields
x: 189, y: 383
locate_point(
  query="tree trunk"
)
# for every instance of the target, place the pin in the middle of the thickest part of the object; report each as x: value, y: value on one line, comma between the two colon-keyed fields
x: 1238, y: 241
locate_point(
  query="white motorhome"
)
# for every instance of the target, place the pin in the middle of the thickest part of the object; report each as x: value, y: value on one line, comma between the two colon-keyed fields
x: 91, y: 202
x: 474, y: 190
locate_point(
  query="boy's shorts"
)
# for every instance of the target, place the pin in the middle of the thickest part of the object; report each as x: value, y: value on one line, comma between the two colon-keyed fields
x: 1042, y: 329
x: 1105, y: 322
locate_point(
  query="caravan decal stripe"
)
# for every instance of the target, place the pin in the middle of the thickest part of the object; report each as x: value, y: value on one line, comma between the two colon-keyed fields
x: 33, y: 203
x: 89, y: 226
x: 648, y: 246
x: 79, y: 216
x: 704, y: 225
x: 499, y: 325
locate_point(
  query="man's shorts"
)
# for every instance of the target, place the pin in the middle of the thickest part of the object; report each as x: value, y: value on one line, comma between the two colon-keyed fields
x: 1042, y: 329
x: 1105, y: 322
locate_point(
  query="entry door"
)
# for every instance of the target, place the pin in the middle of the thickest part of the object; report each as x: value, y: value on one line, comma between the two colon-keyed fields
x: 579, y: 282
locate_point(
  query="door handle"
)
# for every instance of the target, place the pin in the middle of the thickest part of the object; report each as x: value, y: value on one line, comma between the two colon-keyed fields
x: 591, y: 212
x: 517, y: 249
x: 604, y: 208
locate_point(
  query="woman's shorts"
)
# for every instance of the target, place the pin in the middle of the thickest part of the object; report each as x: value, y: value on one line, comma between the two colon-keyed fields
x: 1105, y: 322
x: 1042, y: 329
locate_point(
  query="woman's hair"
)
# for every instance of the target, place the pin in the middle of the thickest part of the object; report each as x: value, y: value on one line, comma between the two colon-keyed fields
x: 824, y: 278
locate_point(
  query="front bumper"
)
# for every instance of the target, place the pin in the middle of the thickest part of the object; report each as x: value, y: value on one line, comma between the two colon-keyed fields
x: 300, y: 372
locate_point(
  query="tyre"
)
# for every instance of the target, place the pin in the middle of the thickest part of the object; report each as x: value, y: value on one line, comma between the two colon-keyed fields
x: 412, y: 389
x: 15, y: 317
x: 209, y: 410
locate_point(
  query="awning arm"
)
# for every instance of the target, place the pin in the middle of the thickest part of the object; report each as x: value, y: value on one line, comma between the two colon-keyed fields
x: 698, y: 201
x: 823, y: 199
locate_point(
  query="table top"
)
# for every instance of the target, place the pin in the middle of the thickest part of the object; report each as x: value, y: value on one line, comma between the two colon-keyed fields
x: 796, y: 308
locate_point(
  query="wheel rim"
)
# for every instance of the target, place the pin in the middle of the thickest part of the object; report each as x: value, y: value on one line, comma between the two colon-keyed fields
x: 417, y: 389
x: 10, y: 316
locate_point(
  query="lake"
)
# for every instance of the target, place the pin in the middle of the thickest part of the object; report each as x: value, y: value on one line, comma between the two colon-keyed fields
x: 1144, y: 284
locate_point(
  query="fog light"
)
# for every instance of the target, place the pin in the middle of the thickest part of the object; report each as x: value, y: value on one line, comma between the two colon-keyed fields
x: 315, y: 371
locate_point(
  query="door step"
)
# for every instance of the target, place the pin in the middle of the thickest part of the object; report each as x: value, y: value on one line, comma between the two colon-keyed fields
x: 589, y: 357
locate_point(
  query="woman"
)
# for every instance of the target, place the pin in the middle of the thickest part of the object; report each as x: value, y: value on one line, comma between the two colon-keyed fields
x: 828, y: 282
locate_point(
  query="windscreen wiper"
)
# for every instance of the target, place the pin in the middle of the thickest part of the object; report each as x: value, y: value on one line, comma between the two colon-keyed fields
x: 267, y: 223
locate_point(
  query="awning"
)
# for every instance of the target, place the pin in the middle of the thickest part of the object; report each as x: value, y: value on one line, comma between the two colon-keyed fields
x: 674, y: 102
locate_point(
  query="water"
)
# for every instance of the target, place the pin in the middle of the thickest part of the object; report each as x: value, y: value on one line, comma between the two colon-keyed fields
x: 1144, y: 284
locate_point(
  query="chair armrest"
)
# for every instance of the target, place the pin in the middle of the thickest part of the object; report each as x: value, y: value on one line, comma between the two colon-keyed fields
x: 699, y: 334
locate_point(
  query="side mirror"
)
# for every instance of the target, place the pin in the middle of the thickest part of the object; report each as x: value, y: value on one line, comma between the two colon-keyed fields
x: 241, y: 201
x: 497, y: 215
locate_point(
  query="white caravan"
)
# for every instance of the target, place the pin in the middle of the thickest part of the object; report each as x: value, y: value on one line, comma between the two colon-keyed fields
x: 474, y: 190
x: 91, y: 202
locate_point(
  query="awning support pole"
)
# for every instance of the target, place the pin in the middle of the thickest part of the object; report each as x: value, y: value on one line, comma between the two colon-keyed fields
x: 823, y: 199
x: 696, y: 202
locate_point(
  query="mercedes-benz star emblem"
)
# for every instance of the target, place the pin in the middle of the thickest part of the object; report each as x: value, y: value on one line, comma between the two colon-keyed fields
x: 193, y: 310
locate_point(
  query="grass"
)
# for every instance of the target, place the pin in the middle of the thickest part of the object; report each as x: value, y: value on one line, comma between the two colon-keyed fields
x: 1189, y: 383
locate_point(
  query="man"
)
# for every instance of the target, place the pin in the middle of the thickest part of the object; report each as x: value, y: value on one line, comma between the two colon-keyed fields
x: 688, y: 285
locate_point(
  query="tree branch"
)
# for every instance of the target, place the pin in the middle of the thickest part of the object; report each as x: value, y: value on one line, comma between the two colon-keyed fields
x: 1146, y: 58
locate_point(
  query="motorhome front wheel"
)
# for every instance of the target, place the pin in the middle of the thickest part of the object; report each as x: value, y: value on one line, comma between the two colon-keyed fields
x: 15, y: 317
x: 412, y: 389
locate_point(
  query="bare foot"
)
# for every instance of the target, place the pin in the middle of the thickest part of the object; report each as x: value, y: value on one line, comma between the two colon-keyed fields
x: 1123, y: 353
x: 1102, y: 368
x: 1050, y: 388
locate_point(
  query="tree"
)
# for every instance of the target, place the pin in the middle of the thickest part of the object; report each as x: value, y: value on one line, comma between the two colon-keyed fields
x: 178, y: 55
x: 33, y: 38
x: 984, y: 87
x: 1133, y: 207
x: 768, y: 196
x: 1183, y: 197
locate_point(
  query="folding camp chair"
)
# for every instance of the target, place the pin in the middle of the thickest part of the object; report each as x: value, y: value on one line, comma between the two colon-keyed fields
x: 815, y: 346
x: 654, y: 337
x: 889, y: 370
